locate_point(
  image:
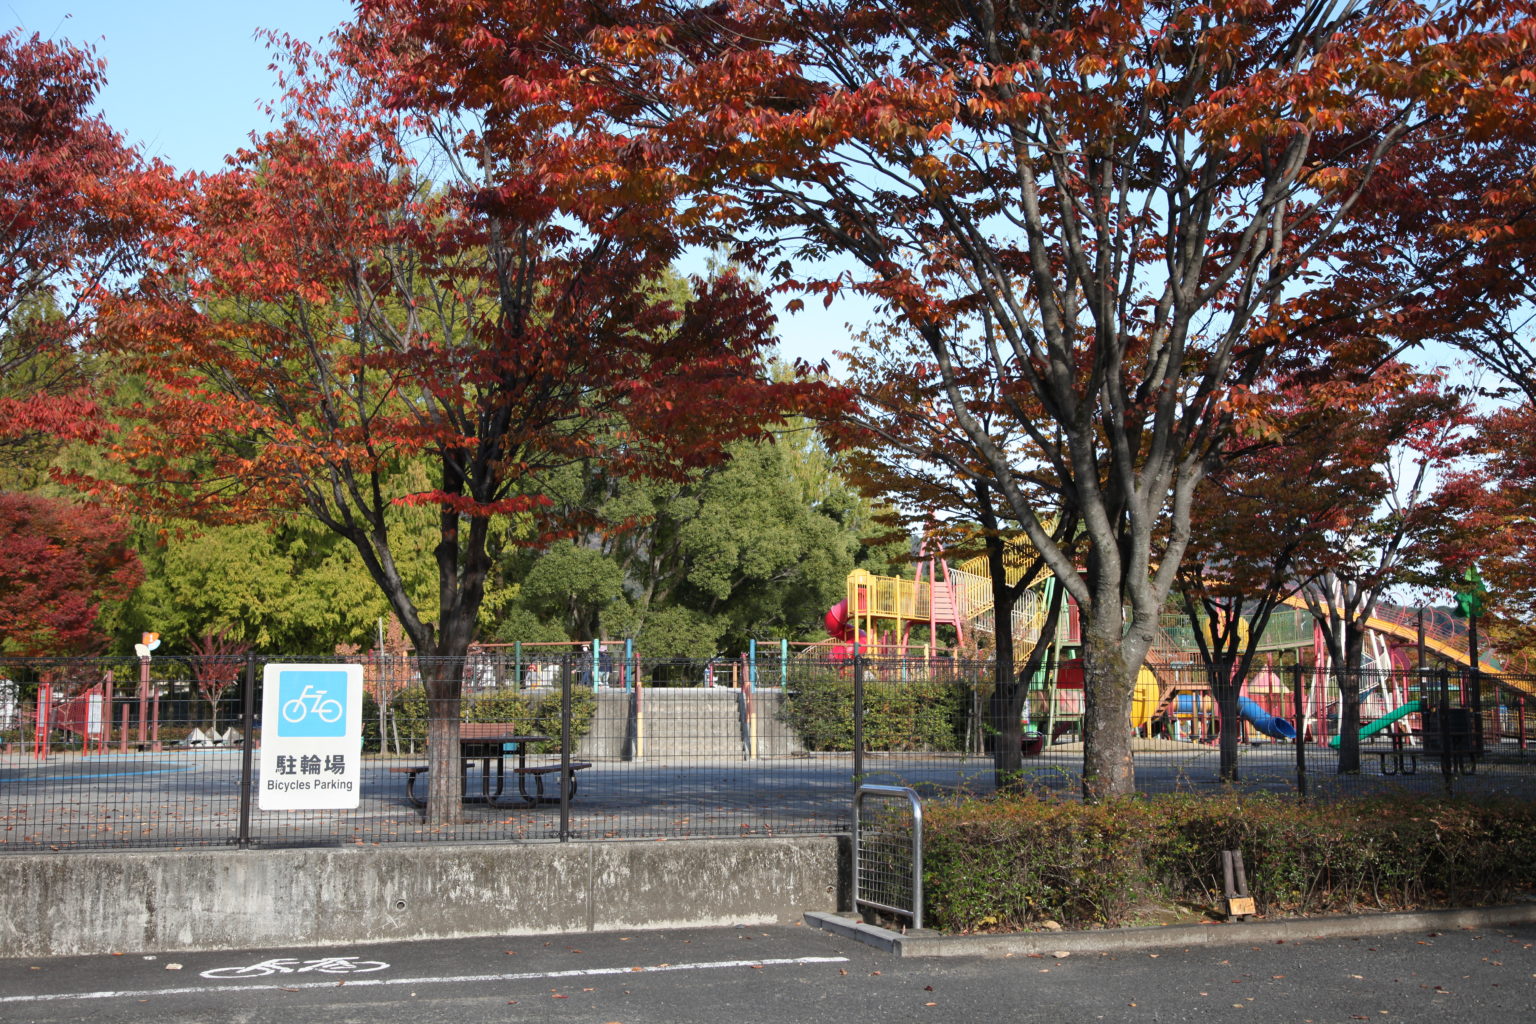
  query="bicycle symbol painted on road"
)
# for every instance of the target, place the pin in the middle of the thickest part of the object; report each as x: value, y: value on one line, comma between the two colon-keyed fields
x: 288, y: 965
x: 311, y: 702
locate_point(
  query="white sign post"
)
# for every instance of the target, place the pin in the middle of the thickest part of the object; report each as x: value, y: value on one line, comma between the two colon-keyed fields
x: 311, y: 737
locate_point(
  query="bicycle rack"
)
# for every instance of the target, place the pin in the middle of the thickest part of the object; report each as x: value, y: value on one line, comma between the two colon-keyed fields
x: 880, y: 880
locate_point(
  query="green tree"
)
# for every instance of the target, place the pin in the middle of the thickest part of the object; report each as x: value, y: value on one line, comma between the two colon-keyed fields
x: 757, y: 547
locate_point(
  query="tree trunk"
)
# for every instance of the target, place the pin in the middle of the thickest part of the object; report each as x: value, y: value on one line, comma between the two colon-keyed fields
x: 1225, y: 686
x: 445, y: 796
x: 1108, y: 682
x: 1347, y: 671
x: 1007, y: 701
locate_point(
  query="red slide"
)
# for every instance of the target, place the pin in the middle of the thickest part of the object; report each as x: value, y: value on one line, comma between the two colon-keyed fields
x: 837, y: 621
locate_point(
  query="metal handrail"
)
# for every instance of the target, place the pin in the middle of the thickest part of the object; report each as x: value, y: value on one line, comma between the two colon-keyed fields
x: 916, y: 910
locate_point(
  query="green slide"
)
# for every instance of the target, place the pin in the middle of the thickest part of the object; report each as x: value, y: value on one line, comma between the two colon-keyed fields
x: 1381, y: 723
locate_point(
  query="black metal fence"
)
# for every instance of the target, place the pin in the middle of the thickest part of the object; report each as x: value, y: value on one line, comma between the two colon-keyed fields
x: 168, y: 753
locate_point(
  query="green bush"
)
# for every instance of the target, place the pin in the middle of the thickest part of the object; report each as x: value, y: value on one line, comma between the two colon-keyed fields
x: 1010, y: 863
x: 918, y: 715
x: 531, y: 713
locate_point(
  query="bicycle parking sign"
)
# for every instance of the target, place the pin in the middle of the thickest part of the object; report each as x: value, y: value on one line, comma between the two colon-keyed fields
x: 311, y: 737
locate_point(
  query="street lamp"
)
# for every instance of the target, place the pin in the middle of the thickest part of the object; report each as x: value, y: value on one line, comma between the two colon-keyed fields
x: 147, y: 643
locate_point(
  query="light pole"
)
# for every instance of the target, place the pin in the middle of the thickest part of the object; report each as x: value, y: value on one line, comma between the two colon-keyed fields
x: 147, y: 643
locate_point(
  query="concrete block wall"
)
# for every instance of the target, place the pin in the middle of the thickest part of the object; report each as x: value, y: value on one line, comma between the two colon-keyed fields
x: 162, y: 901
x: 692, y: 722
x: 686, y: 722
x: 774, y: 738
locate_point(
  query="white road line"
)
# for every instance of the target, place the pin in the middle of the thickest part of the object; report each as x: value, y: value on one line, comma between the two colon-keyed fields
x: 279, y: 986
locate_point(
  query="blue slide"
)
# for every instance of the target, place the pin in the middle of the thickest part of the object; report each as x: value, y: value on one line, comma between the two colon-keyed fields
x: 1252, y: 713
x: 1265, y: 722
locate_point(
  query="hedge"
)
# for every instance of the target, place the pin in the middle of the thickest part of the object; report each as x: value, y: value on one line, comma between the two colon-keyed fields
x: 1010, y: 864
x: 918, y: 715
x: 536, y: 714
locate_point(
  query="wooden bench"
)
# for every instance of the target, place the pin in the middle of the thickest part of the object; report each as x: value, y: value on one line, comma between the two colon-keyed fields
x: 536, y: 772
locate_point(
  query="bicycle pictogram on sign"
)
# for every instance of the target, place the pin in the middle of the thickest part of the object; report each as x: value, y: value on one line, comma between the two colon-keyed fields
x: 312, y: 704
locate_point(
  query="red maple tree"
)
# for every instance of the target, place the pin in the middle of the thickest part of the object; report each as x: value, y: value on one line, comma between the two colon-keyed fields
x: 59, y: 562
x: 217, y: 660
x: 1121, y: 203
x: 1312, y: 502
x: 1487, y: 507
x: 74, y: 203
x: 400, y: 276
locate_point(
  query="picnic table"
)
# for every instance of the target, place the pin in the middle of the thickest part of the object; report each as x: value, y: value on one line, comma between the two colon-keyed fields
x: 490, y: 743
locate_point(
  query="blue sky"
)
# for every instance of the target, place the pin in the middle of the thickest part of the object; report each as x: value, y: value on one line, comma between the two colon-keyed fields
x: 185, y: 81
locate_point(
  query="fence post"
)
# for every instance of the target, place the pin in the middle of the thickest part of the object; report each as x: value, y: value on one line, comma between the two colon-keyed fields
x: 1299, y: 699
x: 638, y: 710
x: 247, y: 742
x: 565, y: 749
x: 107, y: 697
x: 1475, y: 678
x: 749, y: 712
x: 1445, y: 728
x: 858, y: 716
x: 783, y: 662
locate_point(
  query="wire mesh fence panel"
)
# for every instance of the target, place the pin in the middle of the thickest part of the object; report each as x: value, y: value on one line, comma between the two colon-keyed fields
x: 675, y: 750
x: 170, y: 752
x: 99, y: 753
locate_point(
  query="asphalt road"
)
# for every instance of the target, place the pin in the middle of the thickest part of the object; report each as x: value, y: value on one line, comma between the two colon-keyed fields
x: 786, y: 975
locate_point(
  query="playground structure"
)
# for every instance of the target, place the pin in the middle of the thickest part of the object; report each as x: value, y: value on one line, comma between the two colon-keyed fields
x: 894, y: 621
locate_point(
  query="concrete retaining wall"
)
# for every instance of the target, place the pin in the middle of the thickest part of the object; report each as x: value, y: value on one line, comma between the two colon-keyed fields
x: 88, y: 903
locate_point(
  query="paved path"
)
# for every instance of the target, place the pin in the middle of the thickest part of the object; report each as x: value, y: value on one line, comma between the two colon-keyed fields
x: 789, y: 975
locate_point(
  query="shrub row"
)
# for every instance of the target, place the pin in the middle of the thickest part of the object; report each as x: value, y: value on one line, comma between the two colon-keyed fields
x: 535, y: 713
x: 1009, y: 864
x: 917, y: 715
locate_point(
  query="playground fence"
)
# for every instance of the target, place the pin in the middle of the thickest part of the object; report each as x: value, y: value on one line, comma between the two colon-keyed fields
x: 123, y: 754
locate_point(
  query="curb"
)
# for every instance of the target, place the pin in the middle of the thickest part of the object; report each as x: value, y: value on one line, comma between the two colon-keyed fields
x: 926, y: 943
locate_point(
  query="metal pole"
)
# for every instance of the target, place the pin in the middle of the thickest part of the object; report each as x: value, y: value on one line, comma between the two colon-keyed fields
x: 106, y: 735
x: 143, y: 696
x: 751, y: 662
x: 858, y: 715
x: 749, y: 712
x: 248, y: 741
x: 1298, y: 673
x: 639, y: 710
x: 1476, y: 679
x: 1445, y: 728
x: 783, y: 663
x: 597, y: 657
x: 565, y: 750
x: 517, y: 664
